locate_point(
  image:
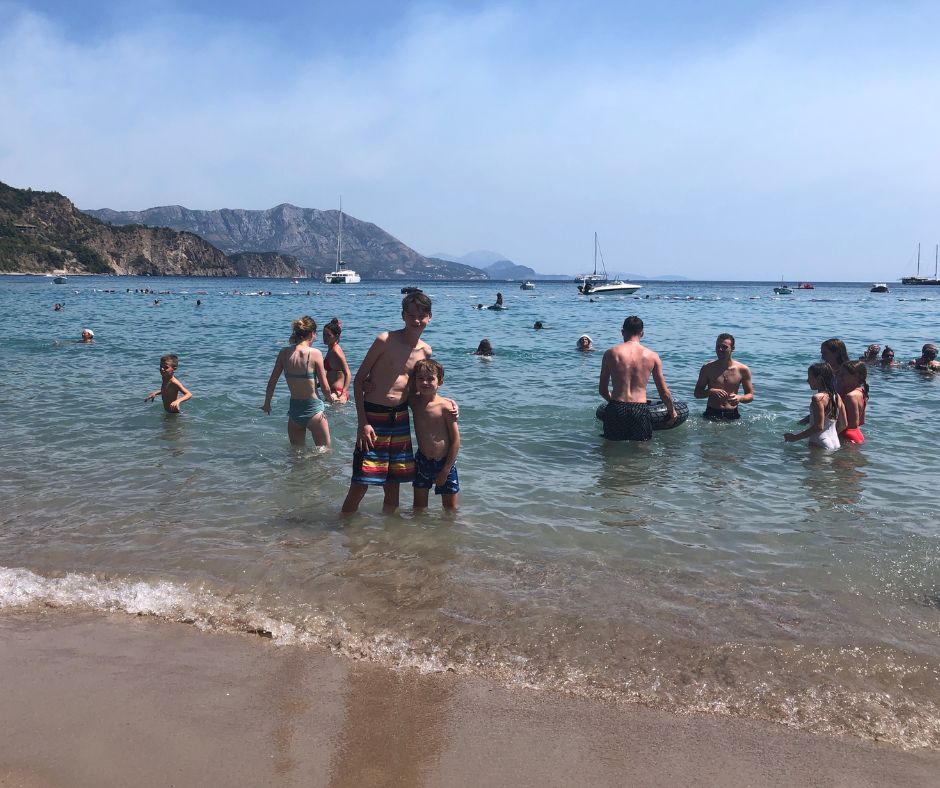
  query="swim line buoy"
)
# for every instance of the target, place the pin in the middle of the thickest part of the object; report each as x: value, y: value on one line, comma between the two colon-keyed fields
x: 657, y: 413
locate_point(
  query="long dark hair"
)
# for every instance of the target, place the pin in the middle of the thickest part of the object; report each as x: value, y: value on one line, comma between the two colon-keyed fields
x: 822, y: 372
x: 859, y: 371
x: 837, y: 347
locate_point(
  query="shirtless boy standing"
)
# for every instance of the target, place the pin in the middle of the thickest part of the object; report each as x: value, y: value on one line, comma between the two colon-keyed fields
x: 720, y: 380
x: 437, y: 435
x: 383, y: 454
x: 172, y: 392
x: 625, y: 371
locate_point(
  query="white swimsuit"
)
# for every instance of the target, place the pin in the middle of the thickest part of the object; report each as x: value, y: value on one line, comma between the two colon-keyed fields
x: 829, y: 437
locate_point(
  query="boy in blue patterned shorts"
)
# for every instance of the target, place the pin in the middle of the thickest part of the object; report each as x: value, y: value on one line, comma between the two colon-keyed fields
x: 438, y: 437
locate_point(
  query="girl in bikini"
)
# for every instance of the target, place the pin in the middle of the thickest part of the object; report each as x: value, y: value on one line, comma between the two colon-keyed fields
x: 303, y: 368
x: 855, y: 374
x: 826, y: 411
x: 337, y: 368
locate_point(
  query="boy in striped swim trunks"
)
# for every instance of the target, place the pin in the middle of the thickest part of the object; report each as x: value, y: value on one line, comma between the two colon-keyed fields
x: 384, y: 454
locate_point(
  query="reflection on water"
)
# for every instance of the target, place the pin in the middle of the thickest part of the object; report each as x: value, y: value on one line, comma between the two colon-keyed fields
x: 836, y: 478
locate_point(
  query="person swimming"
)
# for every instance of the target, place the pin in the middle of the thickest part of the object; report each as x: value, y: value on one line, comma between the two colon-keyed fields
x: 484, y: 348
x: 585, y: 343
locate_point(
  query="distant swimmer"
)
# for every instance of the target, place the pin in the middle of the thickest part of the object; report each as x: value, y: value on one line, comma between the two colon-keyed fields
x: 538, y: 325
x: 585, y: 344
x: 928, y: 359
x: 484, y: 348
x: 172, y: 392
x: 887, y: 357
x: 720, y: 380
x: 87, y: 335
x: 58, y: 307
x: 499, y: 302
x: 625, y: 372
x: 826, y: 411
x: 870, y: 356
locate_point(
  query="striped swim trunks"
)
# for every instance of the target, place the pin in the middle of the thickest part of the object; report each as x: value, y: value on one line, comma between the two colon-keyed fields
x: 391, y: 459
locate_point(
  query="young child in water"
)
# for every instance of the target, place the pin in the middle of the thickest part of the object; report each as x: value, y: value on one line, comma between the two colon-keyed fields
x: 172, y: 391
x: 826, y: 411
x: 855, y: 374
x: 437, y: 434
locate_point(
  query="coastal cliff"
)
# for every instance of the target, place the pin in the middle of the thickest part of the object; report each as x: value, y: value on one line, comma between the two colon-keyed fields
x: 41, y: 232
x: 308, y: 234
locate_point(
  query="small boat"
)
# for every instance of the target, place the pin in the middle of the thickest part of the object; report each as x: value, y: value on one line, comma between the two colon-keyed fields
x: 527, y: 285
x: 599, y: 283
x: 805, y: 286
x: 406, y: 290
x: 60, y: 280
x: 341, y: 275
x: 879, y: 287
x: 783, y: 290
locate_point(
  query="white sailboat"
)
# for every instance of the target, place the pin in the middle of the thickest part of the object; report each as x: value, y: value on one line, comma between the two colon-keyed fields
x: 341, y: 275
x: 599, y: 283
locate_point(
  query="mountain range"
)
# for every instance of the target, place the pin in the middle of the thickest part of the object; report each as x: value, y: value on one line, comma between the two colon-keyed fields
x: 307, y: 234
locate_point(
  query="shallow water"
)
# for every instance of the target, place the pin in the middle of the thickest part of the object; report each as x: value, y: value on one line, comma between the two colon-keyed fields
x: 713, y: 569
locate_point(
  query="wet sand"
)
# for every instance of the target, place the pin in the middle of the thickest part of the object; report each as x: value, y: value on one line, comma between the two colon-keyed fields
x: 90, y: 700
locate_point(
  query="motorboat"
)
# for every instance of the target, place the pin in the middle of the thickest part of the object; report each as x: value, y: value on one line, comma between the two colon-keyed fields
x: 527, y: 285
x: 879, y: 287
x: 595, y: 284
x: 406, y: 290
x: 805, y: 286
x: 60, y: 280
x: 783, y: 290
x: 341, y: 275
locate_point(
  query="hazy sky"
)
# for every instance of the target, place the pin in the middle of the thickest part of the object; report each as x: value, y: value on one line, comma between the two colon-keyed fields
x: 729, y: 140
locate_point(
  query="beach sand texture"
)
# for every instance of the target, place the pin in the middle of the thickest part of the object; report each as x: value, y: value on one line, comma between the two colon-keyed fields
x: 93, y: 700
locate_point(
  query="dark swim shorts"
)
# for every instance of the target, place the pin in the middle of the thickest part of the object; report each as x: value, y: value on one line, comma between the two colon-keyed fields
x: 627, y: 421
x: 717, y: 414
x: 425, y: 471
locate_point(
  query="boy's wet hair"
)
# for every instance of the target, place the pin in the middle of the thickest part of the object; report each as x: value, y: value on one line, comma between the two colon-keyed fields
x: 420, y: 300
x: 632, y: 326
x: 723, y: 337
x: 929, y: 351
x: 430, y: 365
x: 170, y: 360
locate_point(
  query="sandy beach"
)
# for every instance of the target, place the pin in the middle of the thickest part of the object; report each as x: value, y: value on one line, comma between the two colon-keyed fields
x: 92, y: 700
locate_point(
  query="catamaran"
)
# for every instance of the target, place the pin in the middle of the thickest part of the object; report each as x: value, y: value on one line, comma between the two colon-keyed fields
x: 341, y: 275
x: 596, y: 283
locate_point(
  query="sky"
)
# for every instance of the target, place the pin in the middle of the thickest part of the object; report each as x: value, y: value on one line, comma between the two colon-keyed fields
x: 723, y: 140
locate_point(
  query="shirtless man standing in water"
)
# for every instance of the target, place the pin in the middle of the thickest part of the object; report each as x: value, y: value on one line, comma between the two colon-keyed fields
x: 720, y: 380
x: 625, y: 372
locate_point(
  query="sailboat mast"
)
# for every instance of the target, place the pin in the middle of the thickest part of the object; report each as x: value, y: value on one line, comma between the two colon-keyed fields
x: 936, y: 259
x: 595, y: 254
x: 339, y: 238
x: 918, y: 258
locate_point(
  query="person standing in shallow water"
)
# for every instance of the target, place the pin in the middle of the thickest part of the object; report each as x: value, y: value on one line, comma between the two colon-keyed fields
x: 337, y: 368
x: 720, y: 380
x: 625, y: 372
x: 303, y: 368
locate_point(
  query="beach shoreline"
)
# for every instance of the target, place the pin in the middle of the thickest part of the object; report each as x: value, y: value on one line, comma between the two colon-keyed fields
x: 93, y: 699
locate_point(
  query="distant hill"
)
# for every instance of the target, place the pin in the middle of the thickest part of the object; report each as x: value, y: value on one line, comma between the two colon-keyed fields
x: 498, y: 267
x: 42, y: 232
x: 308, y: 234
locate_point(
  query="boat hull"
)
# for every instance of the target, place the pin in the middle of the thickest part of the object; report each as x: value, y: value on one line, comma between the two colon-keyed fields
x: 610, y: 287
x: 342, y: 277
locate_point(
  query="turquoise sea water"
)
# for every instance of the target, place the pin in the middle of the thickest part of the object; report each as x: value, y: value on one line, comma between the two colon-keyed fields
x: 715, y: 569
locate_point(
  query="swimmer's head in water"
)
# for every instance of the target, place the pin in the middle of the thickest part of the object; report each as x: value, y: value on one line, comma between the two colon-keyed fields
x: 484, y: 348
x: 929, y: 352
x: 887, y: 354
x: 632, y: 327
x: 87, y: 335
x: 873, y: 350
x: 538, y: 325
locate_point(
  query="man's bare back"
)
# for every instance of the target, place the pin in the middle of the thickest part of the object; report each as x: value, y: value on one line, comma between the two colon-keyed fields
x: 628, y: 367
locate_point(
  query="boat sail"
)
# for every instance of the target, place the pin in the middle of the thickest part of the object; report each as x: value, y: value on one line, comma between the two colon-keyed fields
x: 341, y: 275
x: 599, y: 283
